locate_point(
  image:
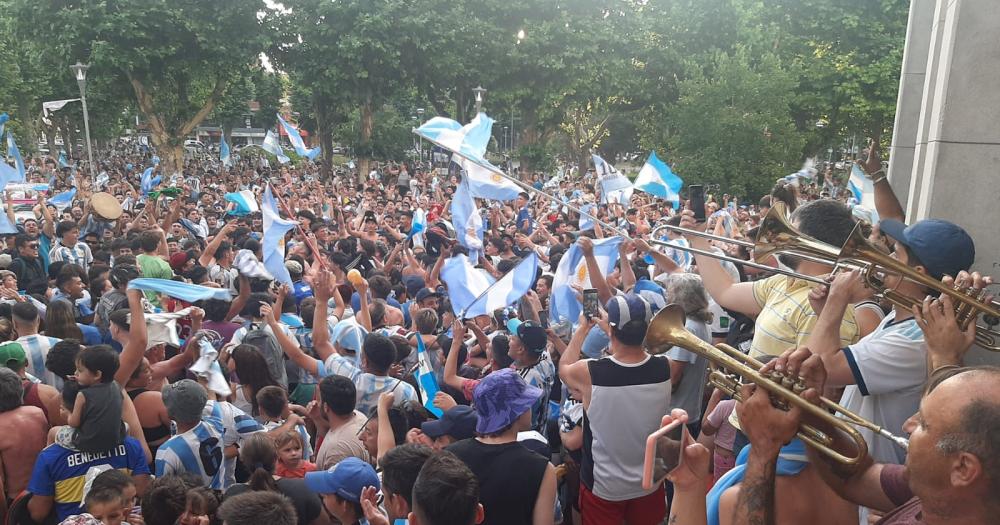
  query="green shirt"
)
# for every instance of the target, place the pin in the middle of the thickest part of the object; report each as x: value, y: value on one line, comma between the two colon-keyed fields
x: 155, y: 267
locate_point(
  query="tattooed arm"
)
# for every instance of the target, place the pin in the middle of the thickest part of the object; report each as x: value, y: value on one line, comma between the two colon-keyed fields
x: 755, y: 505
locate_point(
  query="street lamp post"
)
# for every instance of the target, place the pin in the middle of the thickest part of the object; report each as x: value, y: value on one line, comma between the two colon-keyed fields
x: 420, y: 121
x: 80, y: 71
x: 480, y: 94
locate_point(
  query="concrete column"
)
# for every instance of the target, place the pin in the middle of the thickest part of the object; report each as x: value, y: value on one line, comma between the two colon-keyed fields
x: 956, y: 161
x: 910, y: 98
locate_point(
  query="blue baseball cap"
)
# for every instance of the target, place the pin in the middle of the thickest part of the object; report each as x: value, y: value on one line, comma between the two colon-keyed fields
x: 346, y: 479
x: 944, y: 248
x: 459, y: 422
x: 629, y: 307
x: 651, y: 292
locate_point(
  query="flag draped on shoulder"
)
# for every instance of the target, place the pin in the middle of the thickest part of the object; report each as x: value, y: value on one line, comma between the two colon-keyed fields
x: 509, y: 288
x: 656, y: 178
x: 426, y: 380
x: 245, y: 203
x: 273, y: 146
x: 273, y: 243
x: 296, y: 139
x: 465, y: 283
x: 572, y: 269
x: 224, y: 155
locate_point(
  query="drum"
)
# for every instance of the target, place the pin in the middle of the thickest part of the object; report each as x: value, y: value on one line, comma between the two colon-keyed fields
x: 105, y: 206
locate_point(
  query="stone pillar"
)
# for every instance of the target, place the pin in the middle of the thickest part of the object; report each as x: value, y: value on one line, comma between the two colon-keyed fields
x: 956, y: 156
x: 910, y: 98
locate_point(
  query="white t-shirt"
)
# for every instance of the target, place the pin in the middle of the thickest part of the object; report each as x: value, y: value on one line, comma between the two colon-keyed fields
x: 890, y: 371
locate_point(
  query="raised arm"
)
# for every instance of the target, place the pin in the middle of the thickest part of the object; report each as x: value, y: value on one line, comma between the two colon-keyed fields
x: 134, y: 351
x: 451, y: 377
x: 886, y: 203
x: 209, y: 253
x: 287, y: 344
x: 323, y: 288
x: 628, y: 276
x: 718, y: 283
x: 597, y: 280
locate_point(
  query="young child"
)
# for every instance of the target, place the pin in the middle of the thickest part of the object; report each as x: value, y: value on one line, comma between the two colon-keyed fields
x: 96, y: 419
x: 110, y: 500
x: 200, y: 507
x: 272, y: 402
x: 290, y: 461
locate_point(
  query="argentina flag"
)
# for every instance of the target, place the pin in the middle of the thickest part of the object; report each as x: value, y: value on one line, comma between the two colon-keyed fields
x: 466, y: 220
x: 273, y: 243
x: 273, y: 146
x: 572, y: 269
x: 296, y: 139
x: 465, y: 283
x: 224, y: 155
x: 656, y: 178
x: 245, y: 203
x: 426, y: 380
x: 63, y: 200
x: 15, y: 153
x: 511, y: 287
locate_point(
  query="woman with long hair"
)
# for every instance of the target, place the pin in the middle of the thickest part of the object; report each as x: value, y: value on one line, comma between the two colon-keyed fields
x: 149, y: 406
x: 260, y: 456
x: 253, y: 374
x: 60, y: 322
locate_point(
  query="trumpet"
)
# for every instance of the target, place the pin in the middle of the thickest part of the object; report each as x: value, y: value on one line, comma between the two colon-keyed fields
x: 777, y: 237
x: 729, y: 365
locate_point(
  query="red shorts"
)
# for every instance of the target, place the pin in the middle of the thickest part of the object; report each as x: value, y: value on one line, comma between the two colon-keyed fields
x: 647, y: 510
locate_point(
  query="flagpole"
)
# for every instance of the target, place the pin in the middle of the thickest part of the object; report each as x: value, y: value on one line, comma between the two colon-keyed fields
x: 309, y: 241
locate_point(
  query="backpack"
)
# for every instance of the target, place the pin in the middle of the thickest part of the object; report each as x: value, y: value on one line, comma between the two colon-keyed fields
x: 267, y: 345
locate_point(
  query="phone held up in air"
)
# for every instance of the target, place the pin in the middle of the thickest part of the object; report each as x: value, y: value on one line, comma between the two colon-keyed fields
x: 590, y: 303
x: 543, y: 318
x: 696, y: 196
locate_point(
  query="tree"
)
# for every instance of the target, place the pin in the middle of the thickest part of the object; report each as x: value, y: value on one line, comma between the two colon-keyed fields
x: 178, y: 56
x: 731, y: 124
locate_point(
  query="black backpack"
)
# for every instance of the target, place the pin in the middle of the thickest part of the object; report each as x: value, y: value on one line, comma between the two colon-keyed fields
x: 267, y: 345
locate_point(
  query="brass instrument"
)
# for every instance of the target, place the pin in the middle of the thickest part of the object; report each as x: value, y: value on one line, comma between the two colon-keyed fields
x: 776, y: 236
x: 729, y: 365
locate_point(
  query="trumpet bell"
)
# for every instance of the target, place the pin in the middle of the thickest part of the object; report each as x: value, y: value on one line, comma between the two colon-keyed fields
x: 776, y: 235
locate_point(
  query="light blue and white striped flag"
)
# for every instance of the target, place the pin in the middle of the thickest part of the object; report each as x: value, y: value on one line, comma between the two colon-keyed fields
x: 573, y: 270
x: 656, y: 178
x: 273, y: 243
x: 179, y: 290
x: 486, y: 184
x: 467, y: 221
x: 63, y: 200
x: 245, y: 203
x: 148, y: 182
x: 426, y: 381
x: 296, y: 139
x: 7, y: 174
x: 586, y: 221
x: 224, y: 155
x: 4, y: 117
x: 469, y: 141
x: 418, y: 224
x: 13, y: 151
x: 506, y: 290
x: 273, y: 146
x: 861, y: 187
x: 465, y: 283
x: 610, y: 178
x: 62, y: 160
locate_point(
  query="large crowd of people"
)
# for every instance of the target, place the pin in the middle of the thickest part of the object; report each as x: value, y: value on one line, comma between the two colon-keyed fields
x: 305, y: 401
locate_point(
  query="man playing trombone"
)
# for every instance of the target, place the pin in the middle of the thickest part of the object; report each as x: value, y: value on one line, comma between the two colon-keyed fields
x: 780, y: 303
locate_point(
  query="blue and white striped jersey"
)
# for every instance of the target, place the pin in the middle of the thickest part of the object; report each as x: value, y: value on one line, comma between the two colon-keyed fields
x: 198, y: 451
x: 237, y: 424
x: 369, y: 386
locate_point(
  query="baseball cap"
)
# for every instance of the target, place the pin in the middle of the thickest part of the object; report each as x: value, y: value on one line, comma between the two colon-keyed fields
x: 12, y: 353
x: 629, y: 307
x: 346, y: 479
x: 651, y: 292
x: 944, y: 248
x: 531, y: 334
x: 413, y: 283
x: 500, y: 398
x: 424, y: 293
x: 459, y: 422
x: 185, y: 400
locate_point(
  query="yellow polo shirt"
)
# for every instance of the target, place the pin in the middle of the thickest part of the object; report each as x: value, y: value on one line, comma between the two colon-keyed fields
x: 786, y: 318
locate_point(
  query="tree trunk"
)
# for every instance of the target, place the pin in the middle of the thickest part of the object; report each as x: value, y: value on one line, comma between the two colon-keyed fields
x: 324, y: 132
x: 367, y: 130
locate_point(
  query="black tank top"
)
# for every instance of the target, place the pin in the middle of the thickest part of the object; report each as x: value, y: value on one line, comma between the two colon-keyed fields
x: 510, y: 477
x: 150, y: 433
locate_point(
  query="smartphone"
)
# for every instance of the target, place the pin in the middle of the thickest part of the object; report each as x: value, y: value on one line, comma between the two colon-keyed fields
x: 650, y: 477
x: 590, y: 303
x: 696, y: 194
x: 543, y: 318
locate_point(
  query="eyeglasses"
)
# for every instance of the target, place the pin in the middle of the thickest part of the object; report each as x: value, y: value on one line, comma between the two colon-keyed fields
x: 33, y: 246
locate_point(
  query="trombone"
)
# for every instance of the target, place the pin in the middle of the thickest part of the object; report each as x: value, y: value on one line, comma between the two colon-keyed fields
x: 666, y: 330
x: 776, y: 236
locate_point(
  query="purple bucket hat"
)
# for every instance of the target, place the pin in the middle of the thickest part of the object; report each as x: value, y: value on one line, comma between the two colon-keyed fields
x: 500, y: 398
